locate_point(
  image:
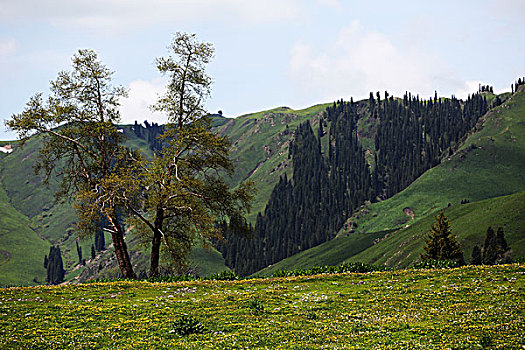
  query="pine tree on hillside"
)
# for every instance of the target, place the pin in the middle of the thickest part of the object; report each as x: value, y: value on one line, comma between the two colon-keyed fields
x: 79, y: 253
x: 99, y: 241
x: 55, y: 267
x: 495, y: 247
x: 476, y: 256
x: 500, y: 241
x: 490, y: 253
x: 441, y: 245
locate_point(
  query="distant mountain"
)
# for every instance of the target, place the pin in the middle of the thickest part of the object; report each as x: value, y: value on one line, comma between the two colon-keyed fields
x: 355, y: 153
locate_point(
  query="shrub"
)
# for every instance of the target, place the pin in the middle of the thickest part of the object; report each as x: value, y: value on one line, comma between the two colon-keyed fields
x: 187, y: 325
x: 256, y: 305
x: 347, y: 267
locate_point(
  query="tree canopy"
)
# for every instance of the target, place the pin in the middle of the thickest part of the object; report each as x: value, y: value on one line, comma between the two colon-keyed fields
x: 182, y: 193
x: 440, y: 243
x: 173, y: 199
x: 81, y: 146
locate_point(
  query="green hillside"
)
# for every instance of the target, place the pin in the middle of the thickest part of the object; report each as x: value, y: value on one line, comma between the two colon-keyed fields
x: 475, y: 307
x: 491, y: 163
x: 333, y: 253
x: 34, y: 220
x: 403, y: 247
x: 21, y: 250
x: 469, y: 222
x: 260, y: 147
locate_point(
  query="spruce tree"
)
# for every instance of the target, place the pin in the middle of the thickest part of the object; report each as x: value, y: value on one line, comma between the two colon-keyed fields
x: 441, y: 245
x: 55, y: 267
x: 490, y: 250
x: 79, y: 253
x: 500, y: 241
x: 476, y: 256
x: 100, y: 242
x: 494, y: 247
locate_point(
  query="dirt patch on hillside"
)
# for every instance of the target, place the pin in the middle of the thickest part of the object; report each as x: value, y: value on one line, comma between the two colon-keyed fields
x: 409, y: 212
x: 6, y: 253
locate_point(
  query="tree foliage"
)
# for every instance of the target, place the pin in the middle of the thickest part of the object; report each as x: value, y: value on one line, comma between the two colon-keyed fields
x: 177, y: 197
x: 494, y: 247
x: 172, y: 199
x: 55, y: 269
x: 476, y: 258
x: 440, y: 244
x: 81, y: 143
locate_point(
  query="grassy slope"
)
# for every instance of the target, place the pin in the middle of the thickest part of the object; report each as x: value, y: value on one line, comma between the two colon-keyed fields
x: 38, y: 213
x: 491, y: 163
x: 402, y: 247
x: 207, y: 261
x: 260, y: 147
x: 21, y: 250
x: 466, y: 308
x: 261, y: 154
x: 333, y: 252
x: 469, y: 222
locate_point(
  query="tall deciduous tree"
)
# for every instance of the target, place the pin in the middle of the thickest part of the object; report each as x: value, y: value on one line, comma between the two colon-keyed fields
x: 181, y: 193
x: 440, y: 244
x: 81, y: 143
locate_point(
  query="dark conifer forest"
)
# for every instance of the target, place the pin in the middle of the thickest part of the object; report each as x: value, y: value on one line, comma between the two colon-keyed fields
x: 333, y: 177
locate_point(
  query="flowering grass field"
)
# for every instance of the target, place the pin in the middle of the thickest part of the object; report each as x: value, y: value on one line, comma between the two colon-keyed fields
x: 462, y: 308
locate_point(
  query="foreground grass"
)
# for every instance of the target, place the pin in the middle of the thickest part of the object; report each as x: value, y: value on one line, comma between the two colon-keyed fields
x: 464, y: 308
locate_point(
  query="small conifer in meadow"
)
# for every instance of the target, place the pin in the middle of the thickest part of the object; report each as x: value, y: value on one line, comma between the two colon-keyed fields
x: 440, y: 243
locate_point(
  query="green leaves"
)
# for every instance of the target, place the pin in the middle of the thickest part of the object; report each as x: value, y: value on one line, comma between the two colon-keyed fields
x: 182, y: 189
x: 189, y: 85
x: 82, y: 145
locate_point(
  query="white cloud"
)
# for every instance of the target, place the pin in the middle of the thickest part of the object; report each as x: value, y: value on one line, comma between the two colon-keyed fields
x: 358, y: 62
x: 470, y: 87
x: 331, y: 3
x: 118, y: 16
x: 142, y: 94
x: 7, y: 47
x: 508, y: 8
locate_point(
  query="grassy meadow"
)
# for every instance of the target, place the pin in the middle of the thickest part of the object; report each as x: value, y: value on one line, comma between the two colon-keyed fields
x: 462, y: 308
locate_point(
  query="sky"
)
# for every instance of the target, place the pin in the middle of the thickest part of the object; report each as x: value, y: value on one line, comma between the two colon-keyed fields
x: 268, y: 53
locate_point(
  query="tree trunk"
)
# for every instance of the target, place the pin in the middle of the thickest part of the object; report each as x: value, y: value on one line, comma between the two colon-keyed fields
x: 121, y: 250
x: 155, y: 244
